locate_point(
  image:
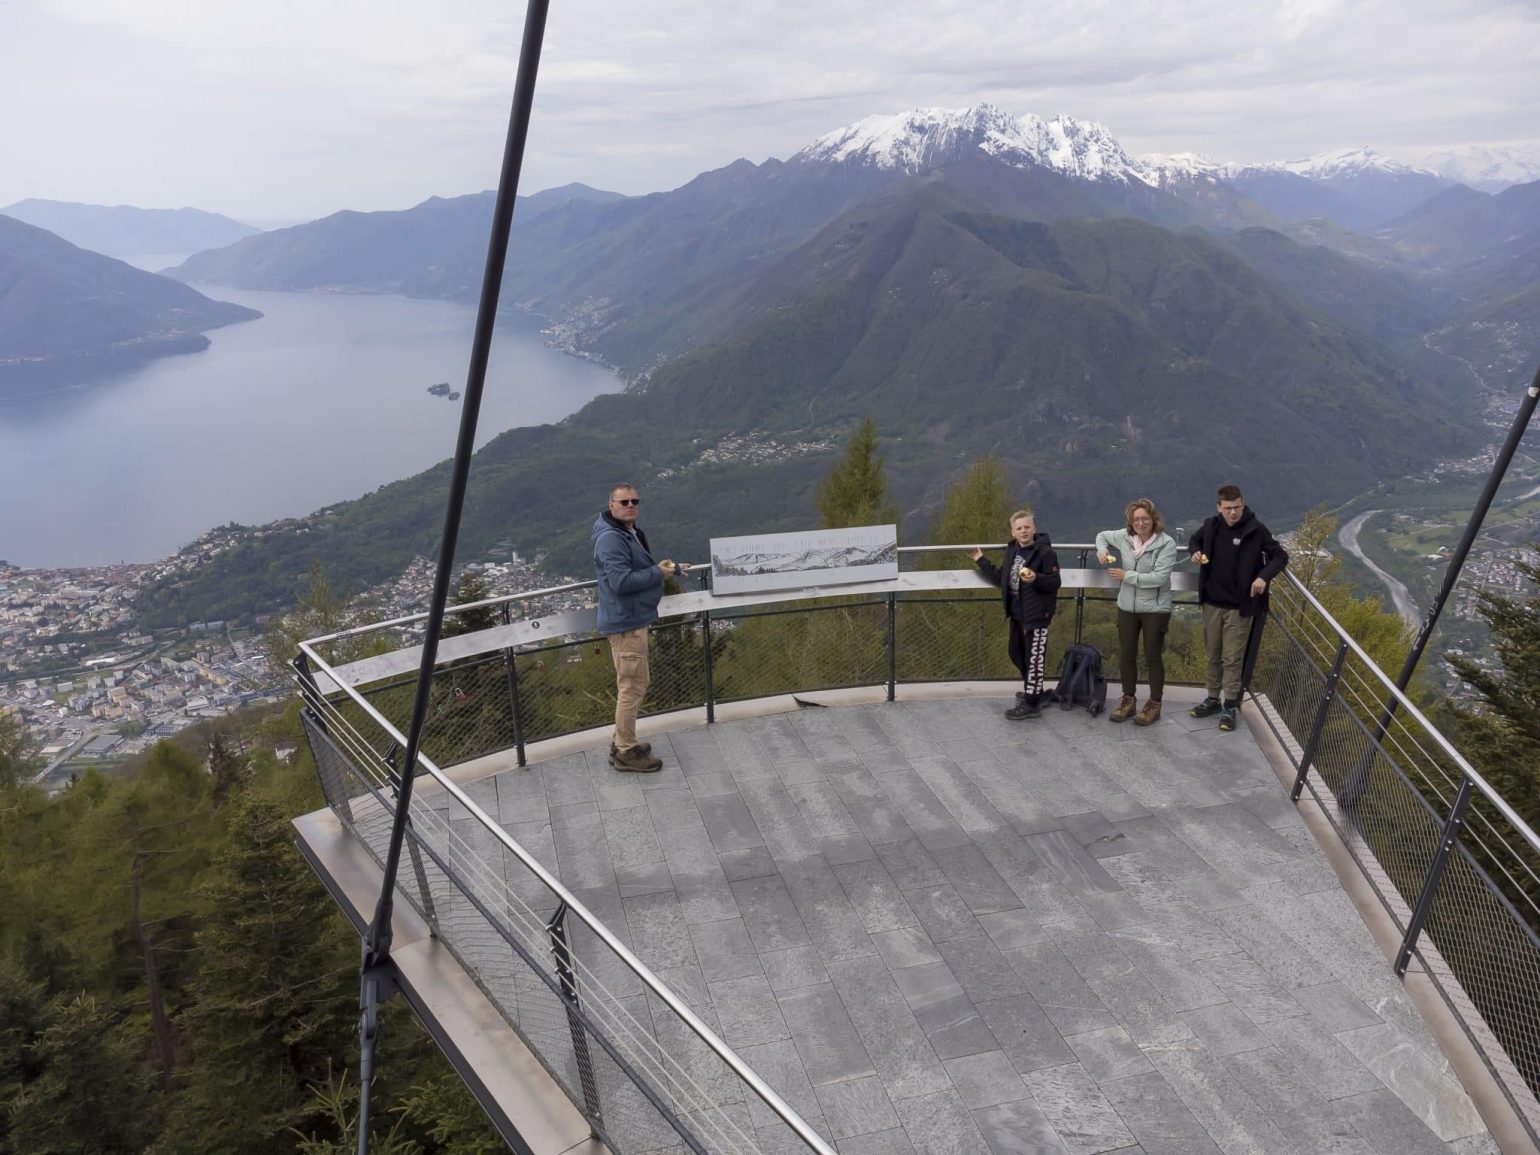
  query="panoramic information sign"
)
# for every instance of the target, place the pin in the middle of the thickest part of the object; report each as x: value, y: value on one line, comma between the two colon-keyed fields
x: 788, y: 561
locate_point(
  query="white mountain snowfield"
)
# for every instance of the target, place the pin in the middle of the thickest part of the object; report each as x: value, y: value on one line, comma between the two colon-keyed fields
x: 922, y: 138
x: 1490, y: 168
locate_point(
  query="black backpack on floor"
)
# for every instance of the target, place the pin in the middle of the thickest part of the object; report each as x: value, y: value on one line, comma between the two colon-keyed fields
x: 1081, y: 682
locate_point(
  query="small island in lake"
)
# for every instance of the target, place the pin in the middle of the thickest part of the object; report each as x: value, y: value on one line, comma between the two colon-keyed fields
x: 442, y: 389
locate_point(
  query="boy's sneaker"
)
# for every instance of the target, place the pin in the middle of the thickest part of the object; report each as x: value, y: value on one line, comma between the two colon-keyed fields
x: 635, y: 760
x: 1026, y: 708
x: 1210, y: 705
x: 642, y: 747
x: 1227, y: 716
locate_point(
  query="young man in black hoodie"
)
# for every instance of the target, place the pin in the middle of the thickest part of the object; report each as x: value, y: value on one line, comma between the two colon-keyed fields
x: 1238, y: 558
x: 1029, y: 584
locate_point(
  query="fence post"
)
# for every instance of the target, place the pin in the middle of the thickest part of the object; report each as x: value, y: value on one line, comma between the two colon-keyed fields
x: 1080, y: 598
x: 1446, y: 843
x: 1314, y: 738
x: 557, y: 928
x: 705, y: 624
x: 711, y: 696
x: 892, y: 645
x: 511, y: 668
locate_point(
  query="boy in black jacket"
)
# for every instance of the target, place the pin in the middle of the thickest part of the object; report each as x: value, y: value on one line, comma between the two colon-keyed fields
x: 1238, y: 557
x: 1029, y: 584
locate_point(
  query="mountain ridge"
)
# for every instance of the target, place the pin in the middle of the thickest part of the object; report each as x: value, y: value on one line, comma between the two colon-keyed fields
x: 65, y: 311
x: 130, y: 231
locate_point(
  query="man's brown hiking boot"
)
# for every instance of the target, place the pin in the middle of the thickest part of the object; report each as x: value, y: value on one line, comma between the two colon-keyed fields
x: 1149, y: 715
x: 640, y: 747
x: 1125, y: 709
x: 635, y: 760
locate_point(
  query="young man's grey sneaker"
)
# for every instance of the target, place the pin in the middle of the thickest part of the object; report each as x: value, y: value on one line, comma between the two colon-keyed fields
x: 1227, y: 716
x: 636, y: 761
x: 1209, y: 705
x: 1024, y: 709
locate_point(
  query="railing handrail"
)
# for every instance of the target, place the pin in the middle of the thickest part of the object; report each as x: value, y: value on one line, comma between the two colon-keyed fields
x: 572, y: 587
x: 1410, y: 707
x: 1403, y: 702
x: 772, y: 1100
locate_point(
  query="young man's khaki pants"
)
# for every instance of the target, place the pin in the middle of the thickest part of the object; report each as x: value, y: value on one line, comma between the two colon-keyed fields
x: 629, y: 653
x: 1225, y: 634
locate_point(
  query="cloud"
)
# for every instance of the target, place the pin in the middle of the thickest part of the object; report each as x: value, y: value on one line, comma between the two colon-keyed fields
x: 295, y: 109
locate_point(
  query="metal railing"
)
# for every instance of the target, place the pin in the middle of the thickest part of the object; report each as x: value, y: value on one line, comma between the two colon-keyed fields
x: 1451, y: 862
x: 545, y: 672
x: 642, y: 1066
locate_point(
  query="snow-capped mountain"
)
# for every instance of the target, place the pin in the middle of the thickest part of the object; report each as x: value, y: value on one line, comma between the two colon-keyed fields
x: 1359, y: 188
x: 1170, y: 168
x: 1346, y: 163
x: 926, y: 138
x: 1489, y: 168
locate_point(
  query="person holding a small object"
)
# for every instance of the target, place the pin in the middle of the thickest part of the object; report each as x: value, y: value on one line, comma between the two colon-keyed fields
x: 1029, y: 586
x: 1237, y: 557
x: 1139, y: 558
x: 630, y: 587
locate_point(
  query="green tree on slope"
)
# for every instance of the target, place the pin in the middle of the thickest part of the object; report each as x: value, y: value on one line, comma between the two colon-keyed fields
x: 856, y: 490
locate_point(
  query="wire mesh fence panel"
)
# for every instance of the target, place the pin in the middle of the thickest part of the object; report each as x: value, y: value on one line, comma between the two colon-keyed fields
x: 1293, y: 682
x: 760, y: 653
x: 677, y: 660
x: 942, y: 639
x: 570, y: 686
x: 565, y: 687
x: 1388, y: 786
x: 1487, y: 961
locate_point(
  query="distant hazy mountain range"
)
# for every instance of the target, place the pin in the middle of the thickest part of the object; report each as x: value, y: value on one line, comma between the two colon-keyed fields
x: 65, y: 312
x: 125, y: 231
x: 974, y: 281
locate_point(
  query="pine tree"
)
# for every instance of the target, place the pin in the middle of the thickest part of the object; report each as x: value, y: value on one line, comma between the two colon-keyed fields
x: 1503, y: 738
x: 89, y: 1094
x: 271, y: 1011
x: 227, y: 764
x: 16, y: 754
x: 976, y: 511
x: 856, y: 490
x: 471, y: 587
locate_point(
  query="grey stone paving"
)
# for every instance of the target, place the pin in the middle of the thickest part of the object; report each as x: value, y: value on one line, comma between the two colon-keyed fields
x: 936, y: 930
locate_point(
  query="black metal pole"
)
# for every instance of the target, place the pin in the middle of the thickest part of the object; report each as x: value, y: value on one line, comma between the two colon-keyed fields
x: 1472, y: 527
x: 375, y: 980
x: 1359, y: 781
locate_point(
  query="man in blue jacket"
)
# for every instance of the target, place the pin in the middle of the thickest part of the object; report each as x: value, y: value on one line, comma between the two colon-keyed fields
x: 630, y: 587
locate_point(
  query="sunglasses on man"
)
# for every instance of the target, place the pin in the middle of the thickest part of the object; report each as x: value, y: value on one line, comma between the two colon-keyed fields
x: 628, y: 501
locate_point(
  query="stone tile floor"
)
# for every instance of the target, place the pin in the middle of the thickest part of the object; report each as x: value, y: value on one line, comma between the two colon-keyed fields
x: 934, y: 930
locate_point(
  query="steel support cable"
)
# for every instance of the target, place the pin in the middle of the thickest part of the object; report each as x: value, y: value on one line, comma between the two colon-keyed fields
x: 374, y: 977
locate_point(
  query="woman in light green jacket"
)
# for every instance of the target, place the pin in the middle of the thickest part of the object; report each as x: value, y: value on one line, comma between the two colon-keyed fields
x: 1140, y: 556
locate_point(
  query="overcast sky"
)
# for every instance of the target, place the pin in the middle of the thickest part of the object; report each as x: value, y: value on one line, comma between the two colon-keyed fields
x: 291, y: 109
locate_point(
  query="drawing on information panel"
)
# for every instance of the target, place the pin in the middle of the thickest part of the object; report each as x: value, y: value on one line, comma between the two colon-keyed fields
x: 782, y: 561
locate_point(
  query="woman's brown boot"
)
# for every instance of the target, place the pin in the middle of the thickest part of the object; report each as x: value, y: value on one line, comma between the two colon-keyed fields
x: 1149, y: 715
x: 1125, y: 709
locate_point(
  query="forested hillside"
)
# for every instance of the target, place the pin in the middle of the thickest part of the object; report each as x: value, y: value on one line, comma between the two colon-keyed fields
x: 174, y: 979
x: 1091, y: 356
